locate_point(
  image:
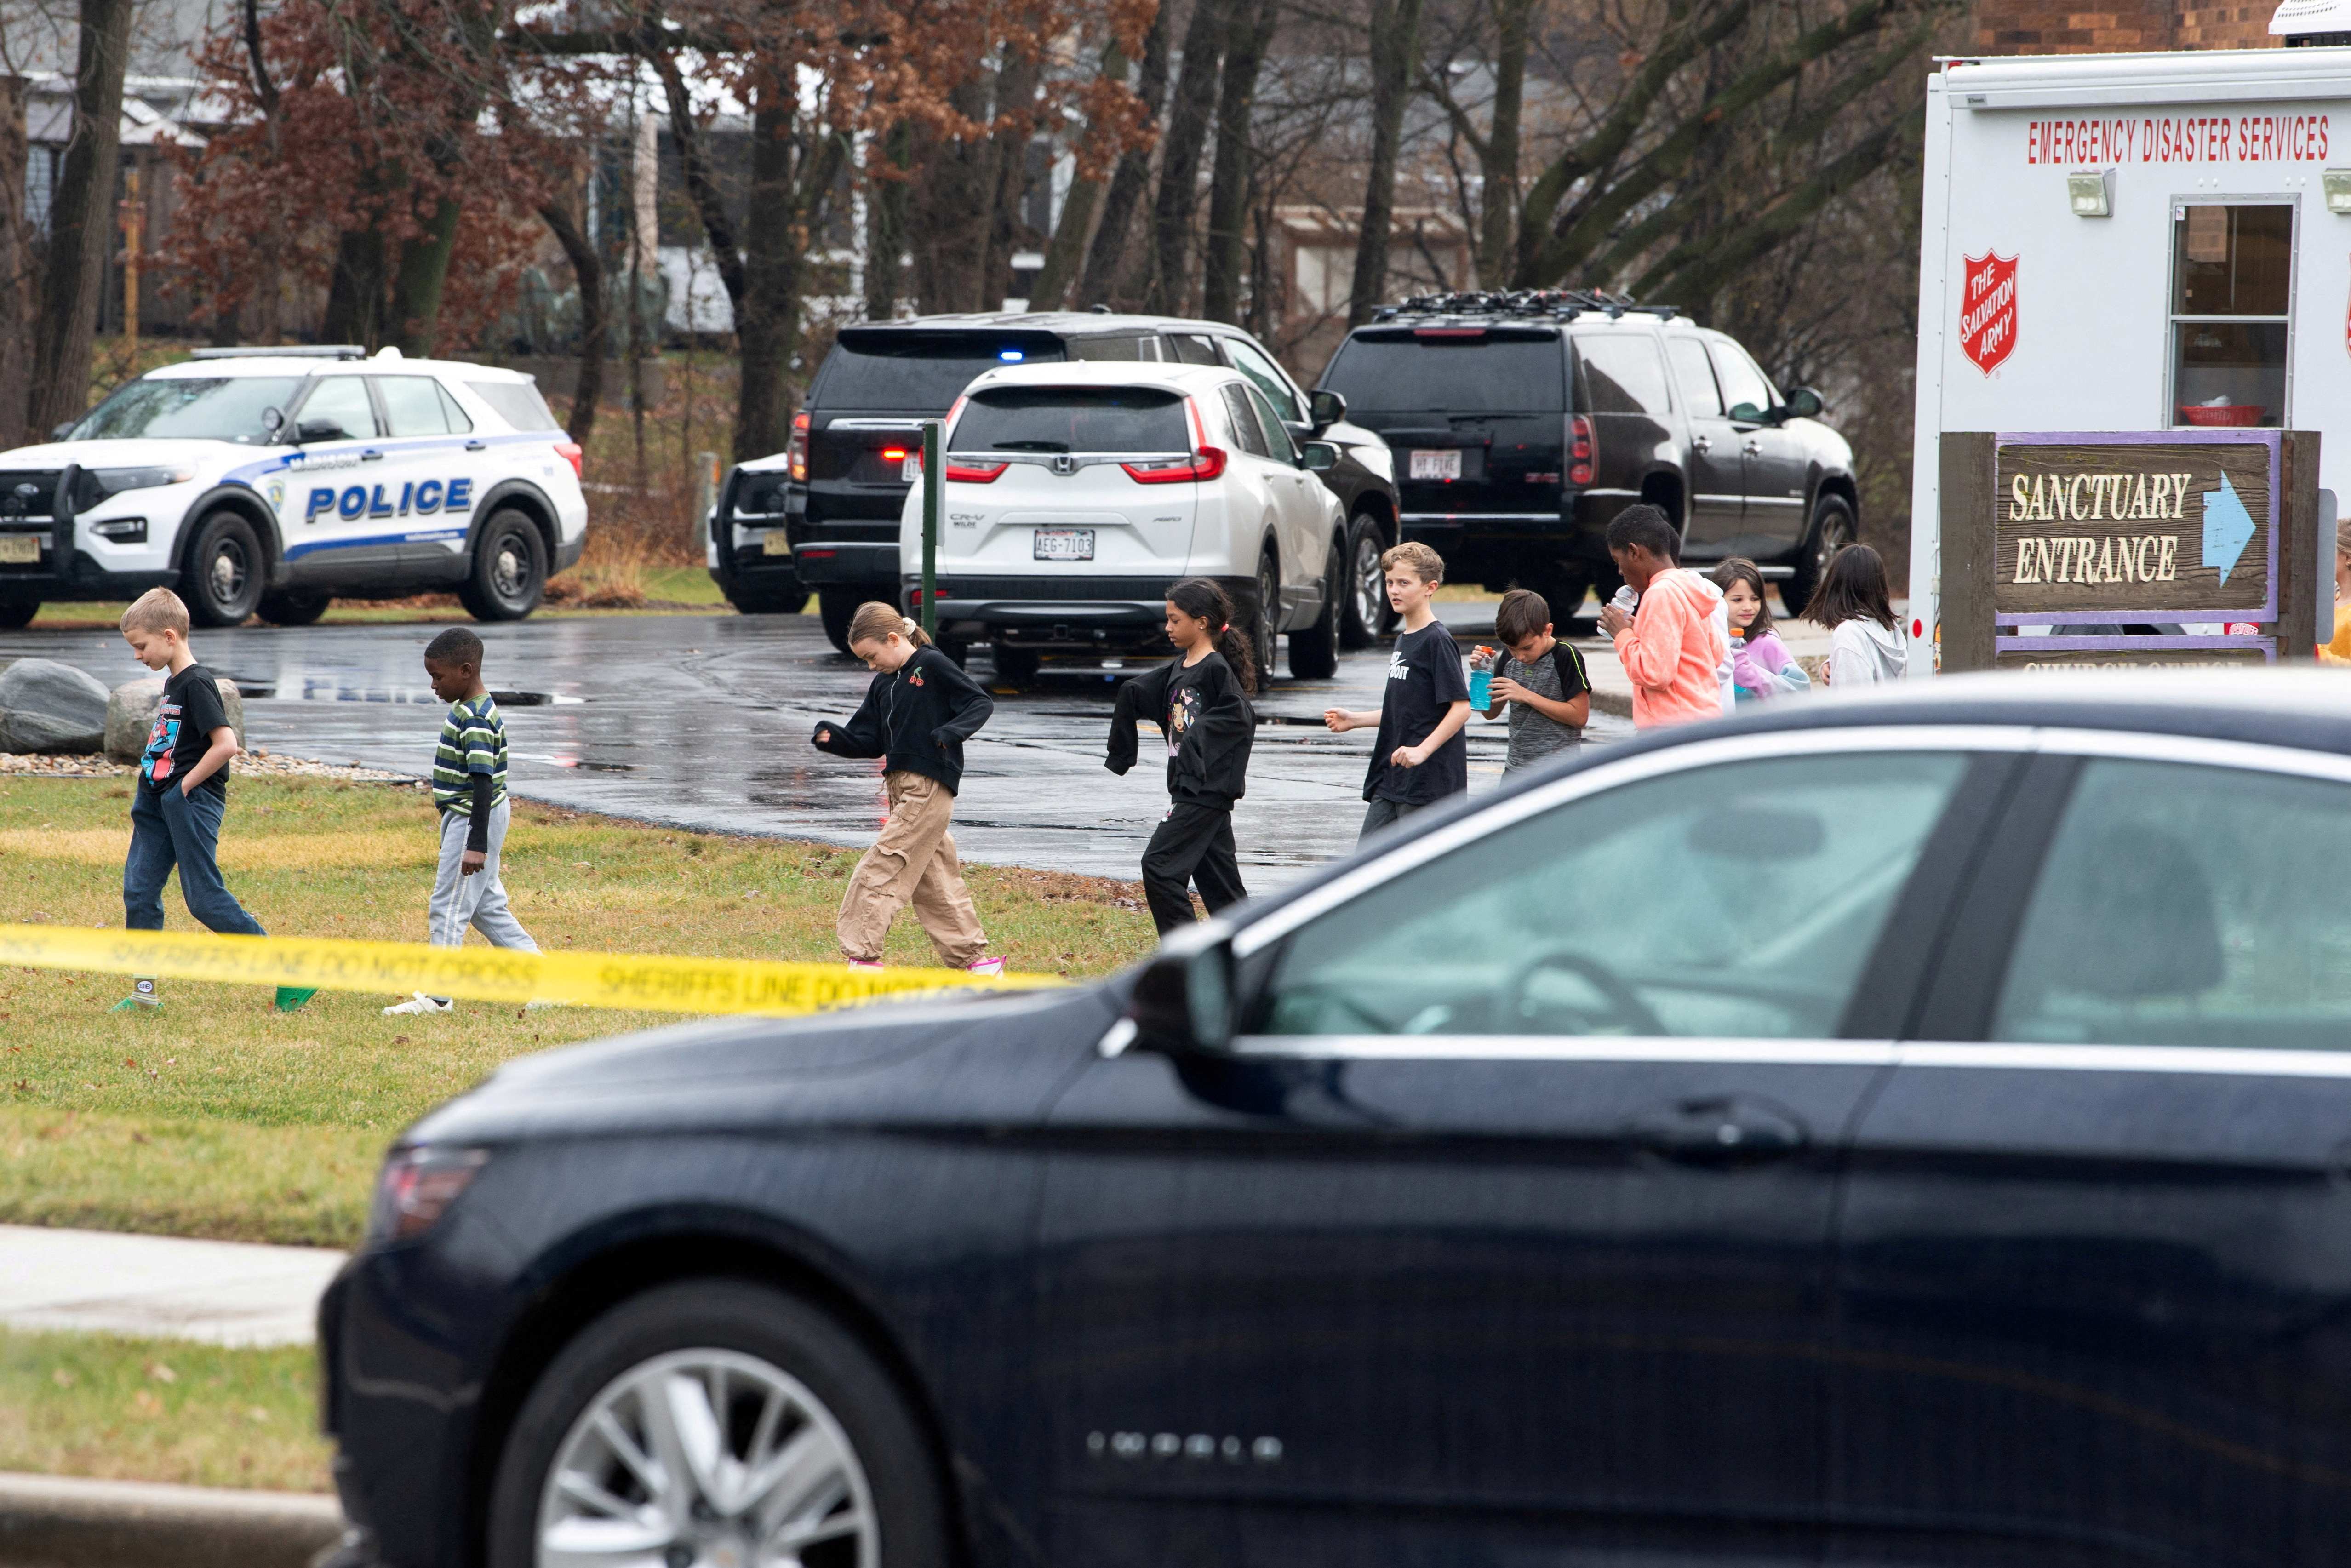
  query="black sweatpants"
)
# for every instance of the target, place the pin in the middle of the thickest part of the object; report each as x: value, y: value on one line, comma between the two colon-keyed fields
x: 1195, y: 844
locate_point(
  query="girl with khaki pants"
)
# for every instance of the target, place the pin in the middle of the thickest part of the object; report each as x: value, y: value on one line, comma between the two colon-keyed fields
x: 917, y: 715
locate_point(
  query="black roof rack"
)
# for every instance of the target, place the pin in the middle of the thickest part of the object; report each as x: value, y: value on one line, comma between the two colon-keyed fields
x: 291, y: 351
x: 1531, y: 304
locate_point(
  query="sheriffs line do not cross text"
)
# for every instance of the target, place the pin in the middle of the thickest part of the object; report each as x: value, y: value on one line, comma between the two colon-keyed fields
x: 421, y: 497
x: 2173, y: 139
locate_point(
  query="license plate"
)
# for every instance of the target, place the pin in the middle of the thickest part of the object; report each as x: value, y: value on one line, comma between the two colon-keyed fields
x: 910, y: 468
x: 775, y: 543
x: 1064, y: 544
x: 1442, y: 463
x: 21, y: 549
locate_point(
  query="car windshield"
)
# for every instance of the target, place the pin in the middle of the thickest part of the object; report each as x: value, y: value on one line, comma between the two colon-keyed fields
x: 1072, y: 419
x: 200, y: 408
x: 1402, y: 372
x: 906, y: 372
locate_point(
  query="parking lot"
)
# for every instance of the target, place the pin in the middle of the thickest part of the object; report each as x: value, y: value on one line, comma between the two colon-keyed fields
x: 702, y: 722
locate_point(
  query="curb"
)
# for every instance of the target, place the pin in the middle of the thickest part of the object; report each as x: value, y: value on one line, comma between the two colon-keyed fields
x: 54, y: 1522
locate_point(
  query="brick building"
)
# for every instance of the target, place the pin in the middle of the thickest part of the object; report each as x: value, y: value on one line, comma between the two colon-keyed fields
x: 2119, y: 26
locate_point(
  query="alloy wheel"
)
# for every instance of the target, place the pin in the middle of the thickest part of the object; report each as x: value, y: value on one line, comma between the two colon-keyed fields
x: 707, y: 1459
x: 1269, y: 600
x: 1367, y: 582
x: 510, y: 569
x: 227, y: 571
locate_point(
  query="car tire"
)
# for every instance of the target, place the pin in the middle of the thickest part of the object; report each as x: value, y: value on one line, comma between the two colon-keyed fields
x: 766, y: 600
x: 222, y: 577
x: 509, y: 572
x: 1265, y: 606
x: 18, y: 613
x: 1834, y: 527
x: 1562, y: 588
x: 1368, y: 614
x: 838, y: 607
x: 293, y: 606
x: 1016, y: 666
x: 874, y: 1478
x: 1314, y: 650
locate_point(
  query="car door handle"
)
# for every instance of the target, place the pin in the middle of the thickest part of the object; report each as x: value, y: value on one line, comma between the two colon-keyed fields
x: 1717, y: 1131
x: 1702, y: 443
x: 1753, y: 449
x: 477, y: 447
x: 370, y: 455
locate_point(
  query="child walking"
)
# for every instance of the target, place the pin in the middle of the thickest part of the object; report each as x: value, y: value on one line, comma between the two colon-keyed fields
x: 1865, y: 641
x: 1761, y: 665
x: 1200, y: 702
x: 1420, y: 756
x: 1541, y: 683
x: 917, y: 715
x: 181, y: 794
x: 469, y: 790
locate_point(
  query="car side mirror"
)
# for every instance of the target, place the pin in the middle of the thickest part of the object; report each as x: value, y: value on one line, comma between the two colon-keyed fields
x: 317, y: 430
x: 62, y: 432
x: 1183, y: 999
x: 1804, y: 403
x: 1318, y: 456
x: 1328, y: 409
x: 272, y: 419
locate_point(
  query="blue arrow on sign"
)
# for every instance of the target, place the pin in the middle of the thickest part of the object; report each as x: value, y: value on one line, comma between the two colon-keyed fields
x: 2228, y: 528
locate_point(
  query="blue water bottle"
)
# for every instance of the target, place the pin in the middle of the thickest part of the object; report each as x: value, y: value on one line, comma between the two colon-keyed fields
x: 1481, y: 678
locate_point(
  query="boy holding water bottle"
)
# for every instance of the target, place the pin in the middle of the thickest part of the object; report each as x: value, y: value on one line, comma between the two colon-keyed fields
x: 1540, y: 682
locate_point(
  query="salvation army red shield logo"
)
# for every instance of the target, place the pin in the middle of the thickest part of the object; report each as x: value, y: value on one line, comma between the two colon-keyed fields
x: 1987, y: 310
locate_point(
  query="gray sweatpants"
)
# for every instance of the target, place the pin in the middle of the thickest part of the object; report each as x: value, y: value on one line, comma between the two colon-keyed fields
x: 479, y: 900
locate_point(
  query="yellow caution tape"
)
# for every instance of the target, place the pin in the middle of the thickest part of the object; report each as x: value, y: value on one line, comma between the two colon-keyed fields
x: 644, y: 981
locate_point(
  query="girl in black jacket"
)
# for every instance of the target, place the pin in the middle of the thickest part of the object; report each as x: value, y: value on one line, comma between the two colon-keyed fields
x: 1199, y: 699
x: 917, y: 715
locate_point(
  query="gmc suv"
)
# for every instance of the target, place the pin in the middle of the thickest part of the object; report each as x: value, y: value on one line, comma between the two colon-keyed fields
x: 1523, y: 422
x: 824, y: 513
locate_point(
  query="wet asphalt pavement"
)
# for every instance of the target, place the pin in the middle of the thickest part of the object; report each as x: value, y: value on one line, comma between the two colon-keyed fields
x: 702, y: 722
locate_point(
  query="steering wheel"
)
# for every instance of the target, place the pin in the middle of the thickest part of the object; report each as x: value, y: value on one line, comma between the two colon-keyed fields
x: 1629, y: 1009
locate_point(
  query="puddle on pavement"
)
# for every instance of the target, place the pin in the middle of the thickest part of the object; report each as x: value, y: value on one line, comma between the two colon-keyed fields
x: 323, y: 690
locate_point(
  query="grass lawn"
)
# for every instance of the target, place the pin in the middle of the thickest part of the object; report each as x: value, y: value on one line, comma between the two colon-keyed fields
x: 160, y: 1410
x: 216, y: 1116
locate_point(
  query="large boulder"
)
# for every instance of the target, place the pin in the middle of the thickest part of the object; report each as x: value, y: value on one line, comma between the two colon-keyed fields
x: 130, y: 715
x: 48, y: 706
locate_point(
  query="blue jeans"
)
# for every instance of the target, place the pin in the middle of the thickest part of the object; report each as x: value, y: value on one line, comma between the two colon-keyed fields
x: 170, y: 829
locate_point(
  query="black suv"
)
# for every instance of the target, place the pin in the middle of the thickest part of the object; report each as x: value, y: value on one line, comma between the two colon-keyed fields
x: 824, y: 513
x: 1523, y: 422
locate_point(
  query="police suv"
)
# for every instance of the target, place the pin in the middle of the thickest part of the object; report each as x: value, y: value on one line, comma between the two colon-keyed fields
x: 271, y: 480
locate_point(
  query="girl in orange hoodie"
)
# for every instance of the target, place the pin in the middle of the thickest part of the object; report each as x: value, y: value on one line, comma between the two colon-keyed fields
x: 1677, y: 649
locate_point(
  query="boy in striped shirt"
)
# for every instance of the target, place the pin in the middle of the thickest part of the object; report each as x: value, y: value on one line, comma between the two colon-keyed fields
x: 469, y: 789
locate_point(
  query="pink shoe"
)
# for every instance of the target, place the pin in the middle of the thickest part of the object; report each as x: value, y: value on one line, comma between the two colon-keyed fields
x: 865, y: 963
x: 988, y: 968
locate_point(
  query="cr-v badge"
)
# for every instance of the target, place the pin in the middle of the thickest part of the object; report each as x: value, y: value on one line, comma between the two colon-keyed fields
x: 1199, y: 1446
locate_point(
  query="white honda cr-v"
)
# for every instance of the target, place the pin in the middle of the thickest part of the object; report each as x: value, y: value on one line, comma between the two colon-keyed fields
x: 1077, y: 493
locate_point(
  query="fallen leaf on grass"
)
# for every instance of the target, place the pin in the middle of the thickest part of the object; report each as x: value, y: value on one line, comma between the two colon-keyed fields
x: 161, y: 1373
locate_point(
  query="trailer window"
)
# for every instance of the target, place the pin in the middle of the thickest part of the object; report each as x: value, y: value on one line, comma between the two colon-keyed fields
x: 2232, y: 288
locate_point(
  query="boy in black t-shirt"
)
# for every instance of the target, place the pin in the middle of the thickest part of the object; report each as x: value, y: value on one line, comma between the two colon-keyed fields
x: 183, y: 791
x: 1420, y: 756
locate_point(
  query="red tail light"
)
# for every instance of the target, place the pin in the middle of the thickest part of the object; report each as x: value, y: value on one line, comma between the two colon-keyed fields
x: 796, y: 449
x: 570, y: 452
x: 894, y: 453
x: 1582, y: 451
x: 974, y: 473
x: 1206, y: 463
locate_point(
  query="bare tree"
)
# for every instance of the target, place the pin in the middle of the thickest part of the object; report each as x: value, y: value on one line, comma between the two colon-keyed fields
x: 1132, y: 175
x: 1394, y: 52
x: 1179, y: 166
x: 1253, y: 24
x: 81, y: 218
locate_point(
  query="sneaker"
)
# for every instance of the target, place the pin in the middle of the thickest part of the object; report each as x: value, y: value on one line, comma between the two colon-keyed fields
x: 990, y: 968
x: 290, y: 998
x: 143, y: 995
x: 420, y: 1003
x: 865, y: 963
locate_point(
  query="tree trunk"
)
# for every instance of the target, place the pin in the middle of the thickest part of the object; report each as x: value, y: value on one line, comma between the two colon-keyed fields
x: 1078, y: 209
x: 701, y: 184
x: 1179, y: 165
x: 416, y: 288
x: 355, y: 290
x: 1228, y: 186
x: 1015, y: 95
x: 764, y: 314
x: 952, y: 213
x: 885, y: 223
x: 1498, y: 217
x: 1128, y: 181
x: 81, y: 218
x: 595, y: 327
x: 16, y: 269
x: 1396, y: 43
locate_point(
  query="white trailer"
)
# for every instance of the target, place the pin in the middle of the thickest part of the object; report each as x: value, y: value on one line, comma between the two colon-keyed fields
x: 2131, y: 242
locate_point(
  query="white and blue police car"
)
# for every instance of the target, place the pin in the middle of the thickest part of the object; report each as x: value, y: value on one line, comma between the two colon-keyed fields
x: 269, y: 481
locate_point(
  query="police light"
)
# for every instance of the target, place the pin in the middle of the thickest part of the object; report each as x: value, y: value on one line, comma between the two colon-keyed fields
x: 1010, y: 356
x: 2091, y: 193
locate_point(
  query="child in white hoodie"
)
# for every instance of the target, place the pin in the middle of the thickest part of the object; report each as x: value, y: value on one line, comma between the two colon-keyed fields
x: 1852, y: 602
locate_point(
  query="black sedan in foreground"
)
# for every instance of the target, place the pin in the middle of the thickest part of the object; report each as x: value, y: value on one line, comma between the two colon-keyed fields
x: 1902, y: 1129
